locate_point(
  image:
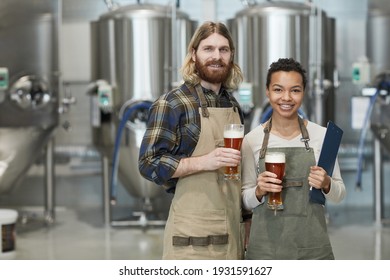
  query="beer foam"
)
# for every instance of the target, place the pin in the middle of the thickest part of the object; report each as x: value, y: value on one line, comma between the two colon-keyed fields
x: 275, y: 157
x: 233, y: 134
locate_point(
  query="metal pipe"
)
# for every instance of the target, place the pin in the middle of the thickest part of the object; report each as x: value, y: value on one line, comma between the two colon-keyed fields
x: 319, y: 90
x: 316, y: 75
x: 49, y: 213
x: 378, y: 179
x: 174, y: 39
x: 106, y: 191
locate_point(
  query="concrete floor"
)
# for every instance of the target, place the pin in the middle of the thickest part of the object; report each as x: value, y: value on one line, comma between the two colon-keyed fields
x: 82, y: 235
x: 73, y: 237
x: 80, y: 232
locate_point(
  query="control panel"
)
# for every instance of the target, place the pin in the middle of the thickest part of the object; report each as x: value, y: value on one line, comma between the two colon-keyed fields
x: 4, y: 82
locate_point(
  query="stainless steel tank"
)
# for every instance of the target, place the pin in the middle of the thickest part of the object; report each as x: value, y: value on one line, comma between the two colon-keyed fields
x: 378, y: 43
x: 137, y: 50
x: 378, y: 46
x: 29, y: 74
x: 267, y: 31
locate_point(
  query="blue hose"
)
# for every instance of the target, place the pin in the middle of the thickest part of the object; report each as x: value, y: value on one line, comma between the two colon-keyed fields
x: 115, y: 158
x: 364, y: 133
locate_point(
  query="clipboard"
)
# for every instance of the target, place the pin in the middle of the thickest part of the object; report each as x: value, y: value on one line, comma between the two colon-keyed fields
x: 328, y: 155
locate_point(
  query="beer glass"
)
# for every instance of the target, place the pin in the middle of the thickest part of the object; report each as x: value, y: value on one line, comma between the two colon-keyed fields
x: 233, y: 135
x: 275, y: 163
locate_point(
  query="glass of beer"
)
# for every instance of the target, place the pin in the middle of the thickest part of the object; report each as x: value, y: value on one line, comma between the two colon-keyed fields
x: 275, y: 162
x: 233, y: 135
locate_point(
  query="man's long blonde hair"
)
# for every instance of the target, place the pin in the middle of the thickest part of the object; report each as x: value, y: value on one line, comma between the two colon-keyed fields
x: 188, y: 69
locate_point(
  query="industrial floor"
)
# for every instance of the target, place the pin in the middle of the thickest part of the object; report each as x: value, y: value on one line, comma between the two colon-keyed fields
x: 82, y: 235
x: 80, y: 231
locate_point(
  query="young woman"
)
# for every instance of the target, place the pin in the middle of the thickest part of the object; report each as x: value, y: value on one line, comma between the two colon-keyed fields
x: 299, y: 231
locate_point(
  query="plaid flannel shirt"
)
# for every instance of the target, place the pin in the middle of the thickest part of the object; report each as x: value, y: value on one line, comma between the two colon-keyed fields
x: 172, y: 132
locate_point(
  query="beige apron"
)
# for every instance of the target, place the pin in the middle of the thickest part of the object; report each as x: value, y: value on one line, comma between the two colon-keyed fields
x: 205, y: 215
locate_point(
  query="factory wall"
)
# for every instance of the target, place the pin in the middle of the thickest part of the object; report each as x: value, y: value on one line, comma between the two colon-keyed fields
x: 77, y: 158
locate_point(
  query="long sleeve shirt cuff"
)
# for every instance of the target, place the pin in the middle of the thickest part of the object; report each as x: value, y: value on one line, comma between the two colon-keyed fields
x: 250, y: 200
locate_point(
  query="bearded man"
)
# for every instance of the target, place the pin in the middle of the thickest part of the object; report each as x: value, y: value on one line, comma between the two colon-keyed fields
x: 182, y: 150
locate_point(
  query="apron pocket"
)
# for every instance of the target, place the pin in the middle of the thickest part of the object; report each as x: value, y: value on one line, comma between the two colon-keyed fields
x: 294, y: 197
x: 316, y: 253
x: 200, y: 234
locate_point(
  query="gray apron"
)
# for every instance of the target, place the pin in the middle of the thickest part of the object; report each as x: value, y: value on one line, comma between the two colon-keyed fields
x: 204, y: 220
x: 299, y: 231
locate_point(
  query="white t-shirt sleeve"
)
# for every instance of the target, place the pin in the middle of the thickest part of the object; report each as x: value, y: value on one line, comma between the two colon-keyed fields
x: 250, y: 154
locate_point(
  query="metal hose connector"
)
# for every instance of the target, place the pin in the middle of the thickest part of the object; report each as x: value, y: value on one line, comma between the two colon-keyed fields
x: 111, y: 5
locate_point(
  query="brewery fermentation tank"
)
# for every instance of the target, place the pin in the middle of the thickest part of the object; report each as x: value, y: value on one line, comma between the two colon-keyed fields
x: 378, y: 46
x: 267, y: 31
x: 378, y: 43
x: 29, y: 84
x: 136, y: 50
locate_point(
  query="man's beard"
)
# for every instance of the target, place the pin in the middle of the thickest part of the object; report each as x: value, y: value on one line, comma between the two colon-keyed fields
x: 216, y: 76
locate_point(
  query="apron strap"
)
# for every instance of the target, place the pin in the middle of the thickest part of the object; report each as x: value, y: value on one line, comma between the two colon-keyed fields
x: 292, y: 184
x: 203, y: 102
x: 200, y: 241
x: 267, y: 129
x: 305, y: 135
x: 235, y: 107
